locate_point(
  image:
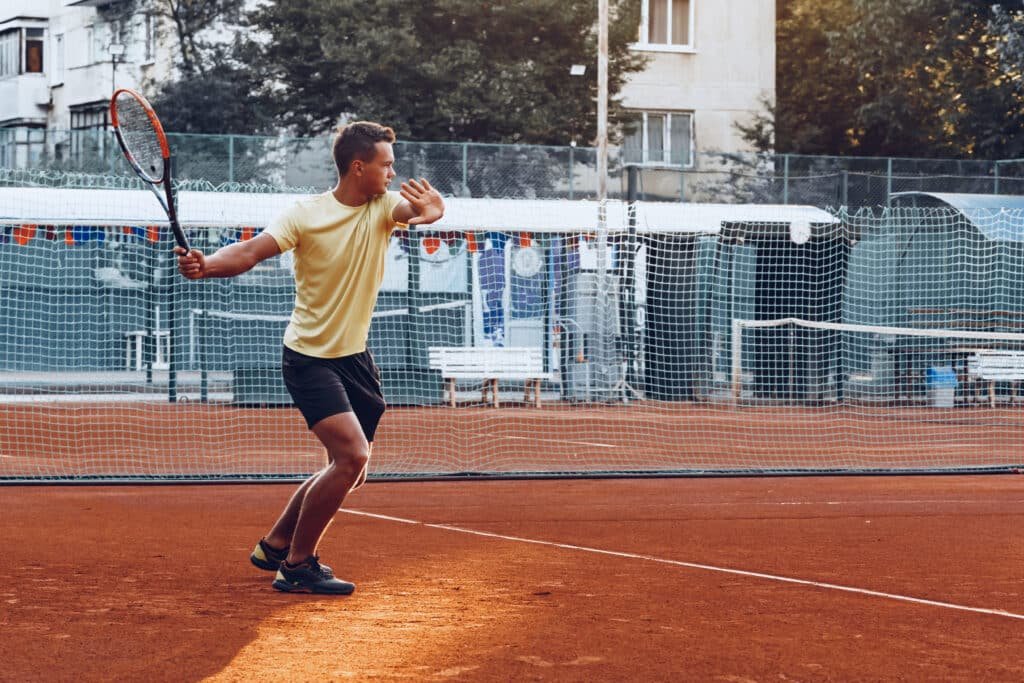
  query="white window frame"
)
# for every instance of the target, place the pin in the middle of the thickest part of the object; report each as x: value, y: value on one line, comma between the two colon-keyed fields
x: 666, y: 140
x: 12, y: 58
x: 18, y: 57
x: 644, y: 43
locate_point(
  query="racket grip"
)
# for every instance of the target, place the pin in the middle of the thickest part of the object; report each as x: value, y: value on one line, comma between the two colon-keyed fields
x: 179, y: 237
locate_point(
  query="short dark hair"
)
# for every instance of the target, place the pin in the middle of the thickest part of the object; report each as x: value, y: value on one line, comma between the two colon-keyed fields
x: 357, y: 140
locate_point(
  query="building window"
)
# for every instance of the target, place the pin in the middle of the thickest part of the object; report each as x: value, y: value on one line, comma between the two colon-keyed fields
x: 15, y: 61
x: 89, y: 117
x: 33, y: 50
x: 666, y: 24
x: 10, y: 48
x: 89, y: 135
x: 660, y: 138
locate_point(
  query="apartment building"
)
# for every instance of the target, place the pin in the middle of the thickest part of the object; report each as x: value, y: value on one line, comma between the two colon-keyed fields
x: 60, y: 60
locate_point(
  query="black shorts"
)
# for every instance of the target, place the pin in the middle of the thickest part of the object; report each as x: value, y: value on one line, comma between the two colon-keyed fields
x: 321, y: 387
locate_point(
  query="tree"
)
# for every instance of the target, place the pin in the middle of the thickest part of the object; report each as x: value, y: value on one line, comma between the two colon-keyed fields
x: 198, y: 27
x: 443, y: 69
x: 815, y: 95
x: 215, y: 92
x: 899, y: 78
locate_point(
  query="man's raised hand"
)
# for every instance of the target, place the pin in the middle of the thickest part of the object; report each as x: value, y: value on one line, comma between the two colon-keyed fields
x: 424, y: 200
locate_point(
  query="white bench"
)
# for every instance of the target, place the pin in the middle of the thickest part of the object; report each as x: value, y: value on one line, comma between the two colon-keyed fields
x: 997, y: 366
x: 134, y: 339
x: 490, y: 365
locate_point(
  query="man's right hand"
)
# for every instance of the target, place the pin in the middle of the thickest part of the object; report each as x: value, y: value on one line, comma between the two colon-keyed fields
x: 192, y: 264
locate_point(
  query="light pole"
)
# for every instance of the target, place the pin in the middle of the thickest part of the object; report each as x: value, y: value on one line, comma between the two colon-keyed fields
x: 602, y: 100
x: 116, y: 52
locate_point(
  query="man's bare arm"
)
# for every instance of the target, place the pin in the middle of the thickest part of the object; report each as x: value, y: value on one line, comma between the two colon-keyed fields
x: 228, y: 261
x: 422, y: 205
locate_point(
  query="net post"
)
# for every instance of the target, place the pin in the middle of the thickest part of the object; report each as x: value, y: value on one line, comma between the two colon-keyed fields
x: 737, y: 360
x: 629, y: 274
x: 171, y: 294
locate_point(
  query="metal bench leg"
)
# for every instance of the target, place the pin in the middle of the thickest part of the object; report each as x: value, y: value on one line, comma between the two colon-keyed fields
x: 992, y: 393
x: 494, y: 392
x: 451, y: 391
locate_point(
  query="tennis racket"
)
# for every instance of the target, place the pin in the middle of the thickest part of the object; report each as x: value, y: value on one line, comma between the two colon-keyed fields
x: 144, y: 144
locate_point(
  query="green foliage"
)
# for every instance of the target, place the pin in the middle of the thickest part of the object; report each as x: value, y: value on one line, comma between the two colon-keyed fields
x: 442, y: 69
x: 214, y: 93
x: 190, y: 19
x: 900, y: 78
x: 218, y: 101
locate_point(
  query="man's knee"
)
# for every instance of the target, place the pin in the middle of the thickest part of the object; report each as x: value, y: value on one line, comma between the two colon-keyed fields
x: 350, y: 461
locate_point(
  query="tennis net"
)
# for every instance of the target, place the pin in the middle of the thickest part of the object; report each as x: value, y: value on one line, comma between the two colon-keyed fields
x: 519, y: 338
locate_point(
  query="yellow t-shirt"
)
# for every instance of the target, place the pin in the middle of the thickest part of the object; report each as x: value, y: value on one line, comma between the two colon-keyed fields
x: 339, y: 264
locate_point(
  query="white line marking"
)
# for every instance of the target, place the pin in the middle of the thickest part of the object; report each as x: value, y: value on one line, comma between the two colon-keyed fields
x: 563, y: 441
x: 705, y: 567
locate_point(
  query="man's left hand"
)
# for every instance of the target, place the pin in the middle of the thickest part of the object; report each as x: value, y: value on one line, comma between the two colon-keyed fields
x: 424, y: 200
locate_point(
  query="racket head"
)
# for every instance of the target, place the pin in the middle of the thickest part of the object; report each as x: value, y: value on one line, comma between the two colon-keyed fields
x: 140, y: 134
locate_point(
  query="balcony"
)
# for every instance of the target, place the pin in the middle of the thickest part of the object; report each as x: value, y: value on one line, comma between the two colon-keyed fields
x: 24, y: 99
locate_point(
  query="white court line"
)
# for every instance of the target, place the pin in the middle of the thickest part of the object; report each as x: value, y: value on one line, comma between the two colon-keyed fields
x: 705, y: 567
x: 579, y: 443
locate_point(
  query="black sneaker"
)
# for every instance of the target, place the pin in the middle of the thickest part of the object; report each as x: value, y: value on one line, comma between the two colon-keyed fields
x: 268, y: 558
x: 310, y: 577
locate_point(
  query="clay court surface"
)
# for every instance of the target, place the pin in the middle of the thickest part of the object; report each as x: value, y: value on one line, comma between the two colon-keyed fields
x: 897, y: 578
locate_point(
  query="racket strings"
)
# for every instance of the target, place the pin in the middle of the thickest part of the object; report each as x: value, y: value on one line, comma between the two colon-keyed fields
x: 140, y: 136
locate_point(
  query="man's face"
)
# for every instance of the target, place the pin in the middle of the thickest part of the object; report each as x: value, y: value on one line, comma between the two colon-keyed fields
x: 379, y: 170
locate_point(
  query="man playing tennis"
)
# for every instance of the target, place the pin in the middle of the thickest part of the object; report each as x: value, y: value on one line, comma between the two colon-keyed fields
x: 340, y: 240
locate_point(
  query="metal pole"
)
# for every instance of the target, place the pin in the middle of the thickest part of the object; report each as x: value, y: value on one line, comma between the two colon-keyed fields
x: 231, y: 158
x: 995, y: 180
x: 465, y: 169
x: 602, y: 100
x: 888, y: 182
x: 629, y: 276
x: 572, y: 170
x: 785, y: 179
x: 601, y: 360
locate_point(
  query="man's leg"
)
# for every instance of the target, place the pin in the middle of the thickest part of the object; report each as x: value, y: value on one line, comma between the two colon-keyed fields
x: 362, y: 475
x: 347, y: 454
x: 280, y: 536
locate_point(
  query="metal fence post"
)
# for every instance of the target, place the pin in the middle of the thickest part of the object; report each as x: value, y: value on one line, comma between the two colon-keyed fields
x: 572, y: 171
x: 231, y: 158
x: 888, y: 182
x: 846, y: 188
x: 785, y: 179
x: 465, y: 169
x: 995, y: 179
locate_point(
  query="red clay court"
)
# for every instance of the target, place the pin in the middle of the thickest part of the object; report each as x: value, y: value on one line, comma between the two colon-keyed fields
x: 731, y: 579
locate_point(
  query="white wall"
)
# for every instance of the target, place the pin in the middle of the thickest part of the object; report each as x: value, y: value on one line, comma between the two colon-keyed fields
x: 732, y: 64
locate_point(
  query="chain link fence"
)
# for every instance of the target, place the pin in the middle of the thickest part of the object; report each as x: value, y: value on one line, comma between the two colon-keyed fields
x: 526, y: 171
